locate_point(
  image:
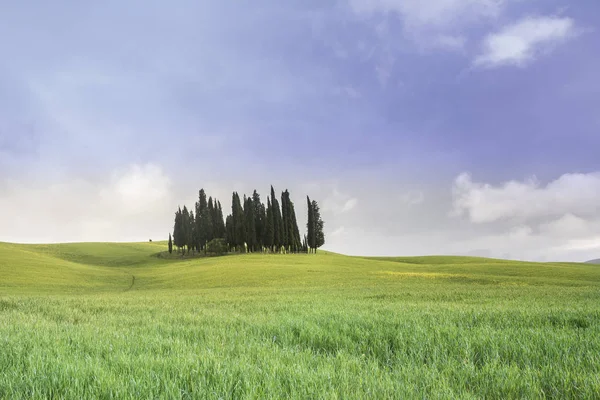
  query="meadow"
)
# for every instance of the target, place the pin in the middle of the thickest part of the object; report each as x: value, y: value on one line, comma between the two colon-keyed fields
x: 117, y: 321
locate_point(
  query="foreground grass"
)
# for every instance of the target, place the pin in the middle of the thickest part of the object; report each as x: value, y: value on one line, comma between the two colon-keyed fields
x: 72, y: 325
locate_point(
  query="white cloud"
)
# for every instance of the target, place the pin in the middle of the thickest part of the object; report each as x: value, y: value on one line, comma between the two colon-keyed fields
x: 431, y: 25
x: 520, y: 43
x: 588, y: 244
x: 133, y: 204
x: 569, y: 226
x: 571, y: 193
x: 431, y: 13
x: 136, y: 190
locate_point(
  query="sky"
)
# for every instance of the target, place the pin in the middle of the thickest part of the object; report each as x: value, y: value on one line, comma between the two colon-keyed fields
x: 421, y: 126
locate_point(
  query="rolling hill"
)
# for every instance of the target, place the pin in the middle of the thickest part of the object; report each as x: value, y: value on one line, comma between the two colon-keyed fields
x: 106, y: 267
x: 125, y: 320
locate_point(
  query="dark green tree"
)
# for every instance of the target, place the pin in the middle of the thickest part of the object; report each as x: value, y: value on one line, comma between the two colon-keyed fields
x: 187, y: 232
x: 290, y: 224
x: 220, y: 222
x: 178, y: 230
x: 294, y: 231
x: 239, y: 230
x: 319, y: 225
x: 214, y: 217
x: 208, y: 216
x: 216, y: 247
x: 278, y: 233
x: 269, y: 232
x: 201, y: 223
x: 170, y: 244
x: 230, y: 232
x: 310, y: 226
x: 250, y: 224
x: 191, y: 241
x: 259, y: 220
x: 285, y: 221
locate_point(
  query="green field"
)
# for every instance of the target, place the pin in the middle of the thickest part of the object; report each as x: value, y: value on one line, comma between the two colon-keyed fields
x: 117, y: 321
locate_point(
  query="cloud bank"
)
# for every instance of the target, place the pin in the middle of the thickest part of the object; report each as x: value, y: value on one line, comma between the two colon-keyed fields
x: 131, y: 205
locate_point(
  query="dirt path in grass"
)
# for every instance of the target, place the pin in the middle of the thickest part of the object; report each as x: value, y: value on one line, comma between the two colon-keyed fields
x: 132, y: 283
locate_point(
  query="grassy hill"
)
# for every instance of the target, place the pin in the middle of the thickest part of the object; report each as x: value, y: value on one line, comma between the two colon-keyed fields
x: 105, y: 320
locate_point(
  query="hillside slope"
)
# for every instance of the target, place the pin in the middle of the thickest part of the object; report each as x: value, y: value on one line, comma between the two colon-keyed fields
x: 106, y: 267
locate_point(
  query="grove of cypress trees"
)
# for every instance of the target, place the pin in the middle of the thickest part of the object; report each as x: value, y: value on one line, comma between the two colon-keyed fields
x: 251, y: 223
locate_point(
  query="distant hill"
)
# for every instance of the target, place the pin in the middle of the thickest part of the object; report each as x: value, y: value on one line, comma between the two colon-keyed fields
x: 593, y: 261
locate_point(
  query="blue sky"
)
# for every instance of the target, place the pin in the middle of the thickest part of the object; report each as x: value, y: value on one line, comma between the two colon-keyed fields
x: 477, y: 119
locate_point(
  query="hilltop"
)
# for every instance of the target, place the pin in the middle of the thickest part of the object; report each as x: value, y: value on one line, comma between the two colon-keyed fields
x: 593, y: 261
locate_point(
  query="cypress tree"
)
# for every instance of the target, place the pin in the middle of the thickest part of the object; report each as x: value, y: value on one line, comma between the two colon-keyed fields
x: 170, y: 244
x: 259, y: 219
x: 198, y: 230
x: 285, y: 220
x: 310, y: 226
x: 269, y: 233
x: 318, y: 221
x: 201, y: 223
x: 185, y: 222
x: 229, y: 232
x: 214, y: 217
x: 220, y: 224
x: 294, y: 231
x: 290, y: 223
x: 278, y: 235
x: 178, y: 231
x: 191, y: 243
x: 208, y: 216
x: 250, y: 224
x: 237, y: 212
